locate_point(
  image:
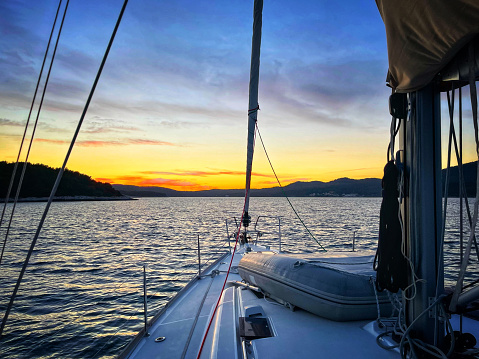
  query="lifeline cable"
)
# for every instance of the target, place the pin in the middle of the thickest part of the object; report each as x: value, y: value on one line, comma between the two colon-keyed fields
x: 60, y: 173
x: 14, y: 171
x: 282, y: 189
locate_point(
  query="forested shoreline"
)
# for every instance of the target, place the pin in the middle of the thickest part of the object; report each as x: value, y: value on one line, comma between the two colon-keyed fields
x: 39, y: 179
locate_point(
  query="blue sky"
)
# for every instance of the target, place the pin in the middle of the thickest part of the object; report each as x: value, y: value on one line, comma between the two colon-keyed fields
x: 173, y: 95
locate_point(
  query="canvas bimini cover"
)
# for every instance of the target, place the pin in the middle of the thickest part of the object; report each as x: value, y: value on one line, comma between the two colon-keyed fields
x: 423, y: 36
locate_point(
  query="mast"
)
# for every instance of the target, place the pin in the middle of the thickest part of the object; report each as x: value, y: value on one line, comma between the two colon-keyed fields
x: 420, y: 146
x: 253, y: 105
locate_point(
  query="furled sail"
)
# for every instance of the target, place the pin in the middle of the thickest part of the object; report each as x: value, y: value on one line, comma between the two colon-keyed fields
x: 253, y: 106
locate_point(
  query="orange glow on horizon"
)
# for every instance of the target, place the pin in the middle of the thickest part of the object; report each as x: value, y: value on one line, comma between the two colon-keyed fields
x: 175, y: 184
x: 202, y: 181
x: 194, y: 168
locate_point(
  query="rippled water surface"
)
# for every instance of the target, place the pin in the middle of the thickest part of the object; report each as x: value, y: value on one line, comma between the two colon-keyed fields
x: 82, y: 294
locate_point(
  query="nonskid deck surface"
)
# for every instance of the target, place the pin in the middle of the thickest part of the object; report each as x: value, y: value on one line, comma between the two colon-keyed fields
x: 296, y: 334
x: 177, y: 321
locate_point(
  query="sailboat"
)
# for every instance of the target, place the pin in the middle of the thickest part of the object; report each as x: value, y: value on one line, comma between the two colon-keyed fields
x: 255, y: 302
x: 258, y: 303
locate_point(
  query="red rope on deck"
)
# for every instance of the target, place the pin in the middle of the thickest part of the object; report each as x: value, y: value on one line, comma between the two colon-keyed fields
x: 229, y: 267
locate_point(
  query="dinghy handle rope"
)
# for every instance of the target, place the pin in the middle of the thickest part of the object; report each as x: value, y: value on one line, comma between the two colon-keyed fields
x: 14, y: 171
x: 62, y: 169
x: 284, y: 193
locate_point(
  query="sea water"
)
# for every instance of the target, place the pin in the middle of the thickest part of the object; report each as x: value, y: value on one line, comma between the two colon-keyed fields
x: 82, y: 294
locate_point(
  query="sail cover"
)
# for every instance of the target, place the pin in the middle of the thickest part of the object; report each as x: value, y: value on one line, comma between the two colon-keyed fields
x: 423, y: 36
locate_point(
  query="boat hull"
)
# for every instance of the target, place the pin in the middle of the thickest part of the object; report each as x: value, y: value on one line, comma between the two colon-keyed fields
x: 338, y: 286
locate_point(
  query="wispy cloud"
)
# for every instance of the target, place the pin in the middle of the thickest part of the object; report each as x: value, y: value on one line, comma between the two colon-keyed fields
x: 204, y: 173
x: 50, y: 141
x: 174, y: 124
x: 99, y: 124
x: 7, y: 122
x: 156, y: 182
x: 335, y: 94
x: 126, y: 142
x: 103, y: 143
x: 173, y: 183
x: 44, y: 126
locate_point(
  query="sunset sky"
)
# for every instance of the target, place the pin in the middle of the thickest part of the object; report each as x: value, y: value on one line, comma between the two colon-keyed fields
x: 171, y: 107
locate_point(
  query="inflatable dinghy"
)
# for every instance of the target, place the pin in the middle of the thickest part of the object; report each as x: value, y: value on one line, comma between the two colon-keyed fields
x: 336, y: 286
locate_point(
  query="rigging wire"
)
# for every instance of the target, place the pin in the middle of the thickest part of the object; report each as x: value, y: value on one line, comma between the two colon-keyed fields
x: 461, y: 194
x: 284, y: 193
x: 14, y: 171
x: 473, y: 95
x: 462, y: 184
x: 62, y: 169
x: 440, y: 252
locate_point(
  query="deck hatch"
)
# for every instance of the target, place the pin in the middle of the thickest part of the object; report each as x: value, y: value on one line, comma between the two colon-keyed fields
x: 254, y: 328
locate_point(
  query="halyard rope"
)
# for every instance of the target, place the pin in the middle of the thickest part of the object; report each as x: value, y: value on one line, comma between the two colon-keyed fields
x: 284, y: 194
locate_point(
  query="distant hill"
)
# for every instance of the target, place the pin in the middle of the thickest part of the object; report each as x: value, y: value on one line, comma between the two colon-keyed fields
x: 39, y: 180
x: 470, y: 174
x: 136, y: 191
x: 370, y: 187
x: 342, y: 187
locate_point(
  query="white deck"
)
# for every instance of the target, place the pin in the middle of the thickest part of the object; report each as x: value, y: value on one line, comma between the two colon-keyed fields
x: 297, y: 334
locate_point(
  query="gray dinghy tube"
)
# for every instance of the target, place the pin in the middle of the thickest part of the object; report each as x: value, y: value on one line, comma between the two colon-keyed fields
x: 336, y: 286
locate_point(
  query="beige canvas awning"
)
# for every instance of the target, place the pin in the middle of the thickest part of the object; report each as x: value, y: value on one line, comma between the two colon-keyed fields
x: 423, y: 36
